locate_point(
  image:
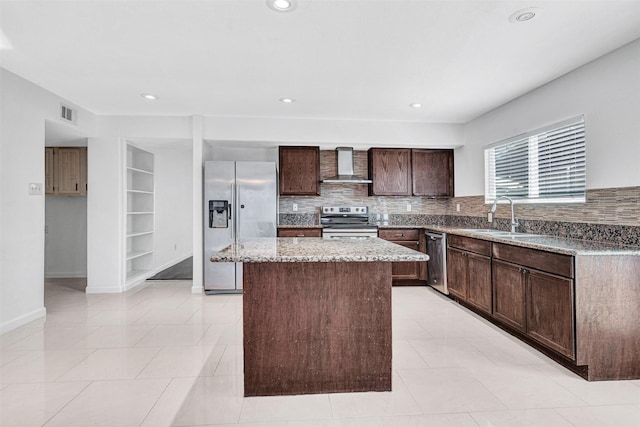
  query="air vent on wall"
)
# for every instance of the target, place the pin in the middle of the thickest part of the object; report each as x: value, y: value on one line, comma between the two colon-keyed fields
x: 67, y: 114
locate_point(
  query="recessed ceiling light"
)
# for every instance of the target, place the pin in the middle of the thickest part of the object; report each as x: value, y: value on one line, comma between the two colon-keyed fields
x: 148, y: 96
x: 524, y: 15
x: 415, y: 105
x: 287, y: 100
x: 282, y: 5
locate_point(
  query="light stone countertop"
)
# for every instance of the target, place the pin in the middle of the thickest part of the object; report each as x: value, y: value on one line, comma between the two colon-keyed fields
x: 559, y: 245
x: 315, y: 249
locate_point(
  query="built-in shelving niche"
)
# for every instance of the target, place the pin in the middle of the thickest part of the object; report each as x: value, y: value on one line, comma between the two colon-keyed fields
x: 140, y: 214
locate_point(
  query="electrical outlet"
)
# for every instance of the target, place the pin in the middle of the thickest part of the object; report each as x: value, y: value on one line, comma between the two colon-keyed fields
x: 457, y: 207
x: 408, y: 208
x: 489, y: 217
x: 295, y: 207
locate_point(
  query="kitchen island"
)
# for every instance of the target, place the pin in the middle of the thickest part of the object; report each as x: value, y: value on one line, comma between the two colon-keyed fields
x: 316, y: 313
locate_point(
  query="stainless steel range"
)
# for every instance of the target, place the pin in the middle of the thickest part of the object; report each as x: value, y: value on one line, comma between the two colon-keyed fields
x: 351, y: 222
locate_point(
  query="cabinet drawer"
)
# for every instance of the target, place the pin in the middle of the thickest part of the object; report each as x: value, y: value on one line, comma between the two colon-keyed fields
x: 299, y: 232
x: 559, y: 264
x: 482, y: 247
x: 399, y: 234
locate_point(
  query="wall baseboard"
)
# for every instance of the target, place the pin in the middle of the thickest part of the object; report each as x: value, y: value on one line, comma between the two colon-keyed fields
x: 22, y: 320
x: 58, y: 275
x: 135, y: 283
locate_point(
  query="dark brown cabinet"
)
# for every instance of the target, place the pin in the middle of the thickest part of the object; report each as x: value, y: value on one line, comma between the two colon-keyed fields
x: 299, y: 232
x: 509, y: 294
x: 406, y: 172
x: 469, y: 271
x: 577, y: 309
x: 533, y: 292
x: 410, y: 238
x: 299, y: 171
x: 550, y: 311
x: 432, y: 172
x: 390, y: 171
x: 457, y: 273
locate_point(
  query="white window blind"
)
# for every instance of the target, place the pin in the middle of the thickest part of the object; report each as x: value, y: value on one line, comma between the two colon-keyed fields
x: 547, y: 165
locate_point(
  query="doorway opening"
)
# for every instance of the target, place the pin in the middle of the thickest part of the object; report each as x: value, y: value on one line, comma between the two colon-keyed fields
x: 65, y: 243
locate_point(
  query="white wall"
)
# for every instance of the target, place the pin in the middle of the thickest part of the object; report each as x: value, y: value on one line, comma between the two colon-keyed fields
x: 247, y: 153
x: 328, y: 134
x: 606, y: 91
x: 24, y: 109
x: 105, y: 172
x: 65, y: 236
x: 173, y: 232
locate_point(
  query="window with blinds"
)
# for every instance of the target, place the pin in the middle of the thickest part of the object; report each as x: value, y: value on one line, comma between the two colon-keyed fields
x: 543, y: 166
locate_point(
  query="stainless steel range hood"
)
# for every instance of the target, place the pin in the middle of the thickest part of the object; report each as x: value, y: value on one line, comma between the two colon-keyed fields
x: 345, y: 169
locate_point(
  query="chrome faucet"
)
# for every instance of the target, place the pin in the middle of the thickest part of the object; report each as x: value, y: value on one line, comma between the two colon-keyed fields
x: 514, y: 223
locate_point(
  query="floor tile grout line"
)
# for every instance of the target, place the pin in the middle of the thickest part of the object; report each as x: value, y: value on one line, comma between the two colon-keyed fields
x: 68, y: 403
x: 156, y: 401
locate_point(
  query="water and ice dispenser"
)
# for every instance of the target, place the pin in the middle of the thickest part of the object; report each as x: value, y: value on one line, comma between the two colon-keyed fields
x: 219, y: 213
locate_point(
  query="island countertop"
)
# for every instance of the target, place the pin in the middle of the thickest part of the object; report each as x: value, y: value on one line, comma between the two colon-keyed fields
x: 311, y: 249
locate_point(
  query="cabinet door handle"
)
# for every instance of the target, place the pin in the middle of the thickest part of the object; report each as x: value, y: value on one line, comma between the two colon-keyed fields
x: 76, y: 186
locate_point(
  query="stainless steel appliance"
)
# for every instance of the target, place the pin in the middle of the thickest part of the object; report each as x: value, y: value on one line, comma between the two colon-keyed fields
x: 437, y: 264
x: 240, y: 201
x: 346, y: 169
x: 341, y: 222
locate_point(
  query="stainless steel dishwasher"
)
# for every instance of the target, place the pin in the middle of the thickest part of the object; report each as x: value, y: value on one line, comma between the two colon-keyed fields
x: 437, y: 264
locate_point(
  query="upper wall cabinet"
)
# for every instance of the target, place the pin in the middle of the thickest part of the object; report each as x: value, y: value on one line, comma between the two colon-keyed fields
x: 390, y: 171
x: 406, y: 172
x: 66, y: 171
x: 432, y: 172
x: 299, y: 171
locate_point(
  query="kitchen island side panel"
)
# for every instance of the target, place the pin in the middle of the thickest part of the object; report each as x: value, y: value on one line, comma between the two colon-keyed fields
x: 316, y: 327
x: 608, y: 316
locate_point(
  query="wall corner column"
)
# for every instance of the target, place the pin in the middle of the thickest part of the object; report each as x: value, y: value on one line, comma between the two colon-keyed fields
x: 197, y: 128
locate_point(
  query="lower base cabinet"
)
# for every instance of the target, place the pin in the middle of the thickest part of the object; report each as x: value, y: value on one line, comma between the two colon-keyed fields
x: 580, y: 310
x: 509, y: 294
x: 479, y: 293
x: 550, y: 311
x: 457, y: 273
x: 406, y: 273
x: 469, y: 271
x: 533, y: 293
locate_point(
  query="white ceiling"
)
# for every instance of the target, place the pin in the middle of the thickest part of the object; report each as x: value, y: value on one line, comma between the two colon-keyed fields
x: 339, y: 59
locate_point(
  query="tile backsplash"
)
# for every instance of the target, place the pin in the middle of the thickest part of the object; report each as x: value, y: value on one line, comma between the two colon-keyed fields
x: 609, y: 214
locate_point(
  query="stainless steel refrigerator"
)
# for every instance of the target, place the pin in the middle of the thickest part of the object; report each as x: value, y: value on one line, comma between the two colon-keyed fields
x: 240, y: 202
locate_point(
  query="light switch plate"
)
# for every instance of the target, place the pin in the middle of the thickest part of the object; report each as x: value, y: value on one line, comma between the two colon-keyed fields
x: 35, y: 188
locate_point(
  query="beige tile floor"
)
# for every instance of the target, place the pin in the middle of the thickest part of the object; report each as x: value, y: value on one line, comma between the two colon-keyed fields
x: 162, y: 356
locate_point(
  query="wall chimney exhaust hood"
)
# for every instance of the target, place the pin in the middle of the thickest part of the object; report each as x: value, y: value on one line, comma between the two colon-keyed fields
x: 345, y: 169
